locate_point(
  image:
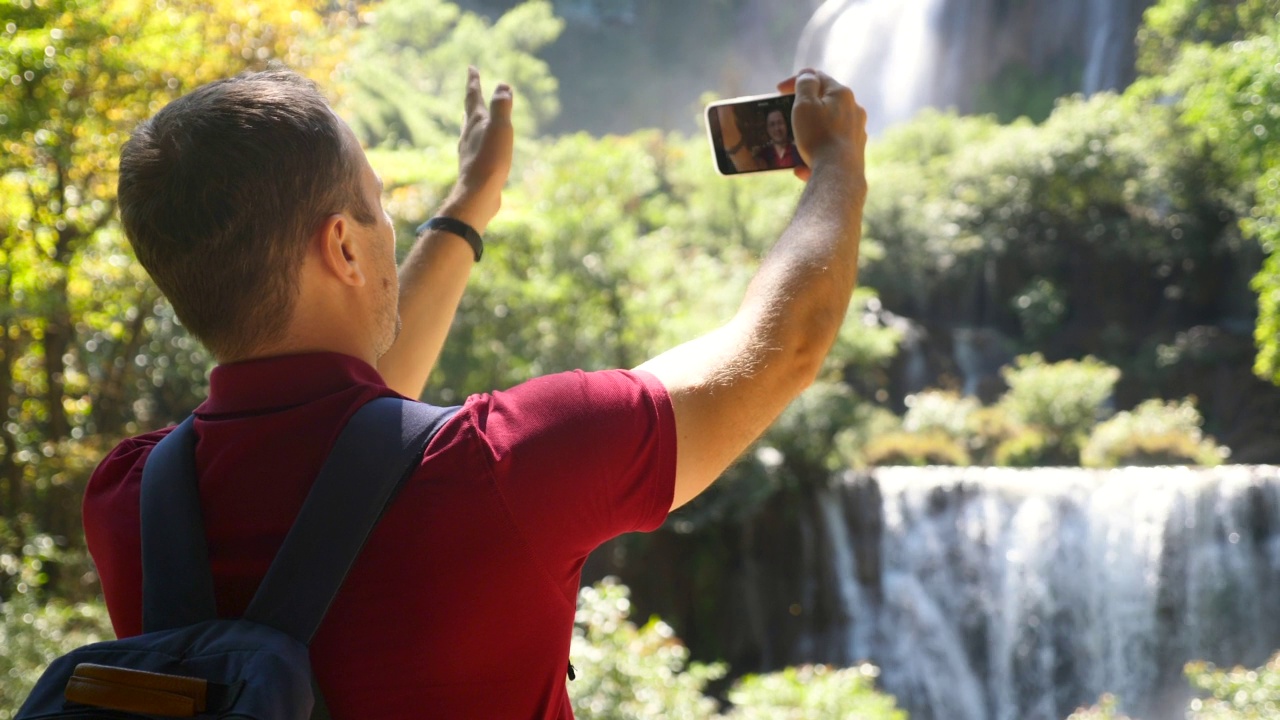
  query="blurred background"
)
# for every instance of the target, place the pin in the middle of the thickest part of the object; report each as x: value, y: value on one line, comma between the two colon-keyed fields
x: 1037, y: 476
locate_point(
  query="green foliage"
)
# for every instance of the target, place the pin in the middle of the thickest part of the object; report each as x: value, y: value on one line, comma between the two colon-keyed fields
x: 1044, y: 419
x: 809, y: 433
x: 1169, y: 26
x: 1061, y: 401
x: 812, y: 692
x: 1040, y: 308
x: 1107, y: 194
x: 34, y: 628
x: 625, y: 672
x: 1018, y: 91
x: 1222, y: 62
x: 1231, y: 95
x: 1104, y: 710
x: 940, y: 411
x: 1027, y: 448
x: 89, y: 352
x: 934, y: 431
x: 988, y: 429
x: 914, y: 448
x: 1154, y: 433
x: 404, y: 81
x: 1238, y: 694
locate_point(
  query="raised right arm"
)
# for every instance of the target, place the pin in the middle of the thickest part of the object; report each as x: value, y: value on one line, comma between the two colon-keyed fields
x: 728, y: 386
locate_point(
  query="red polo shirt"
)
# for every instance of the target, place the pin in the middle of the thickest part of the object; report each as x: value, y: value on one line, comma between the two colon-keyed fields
x: 462, y: 603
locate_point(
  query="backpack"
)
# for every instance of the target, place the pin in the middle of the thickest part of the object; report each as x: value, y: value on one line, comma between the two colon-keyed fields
x: 189, y: 663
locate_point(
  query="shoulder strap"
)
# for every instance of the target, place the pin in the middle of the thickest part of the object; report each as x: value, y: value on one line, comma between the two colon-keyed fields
x: 381, y: 445
x: 377, y: 450
x: 177, y: 585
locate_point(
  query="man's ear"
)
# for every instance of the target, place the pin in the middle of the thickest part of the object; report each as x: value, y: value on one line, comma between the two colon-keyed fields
x: 339, y: 253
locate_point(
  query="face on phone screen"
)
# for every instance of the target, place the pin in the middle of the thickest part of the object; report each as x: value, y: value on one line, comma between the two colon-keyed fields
x: 753, y: 134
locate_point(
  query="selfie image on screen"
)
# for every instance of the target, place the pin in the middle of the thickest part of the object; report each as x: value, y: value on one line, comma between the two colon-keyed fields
x: 753, y: 135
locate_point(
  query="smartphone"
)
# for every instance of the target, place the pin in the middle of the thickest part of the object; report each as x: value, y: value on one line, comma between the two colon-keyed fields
x: 753, y: 134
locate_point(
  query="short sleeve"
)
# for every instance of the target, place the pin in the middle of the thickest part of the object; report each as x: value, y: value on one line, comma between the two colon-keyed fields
x: 580, y: 458
x: 112, y: 529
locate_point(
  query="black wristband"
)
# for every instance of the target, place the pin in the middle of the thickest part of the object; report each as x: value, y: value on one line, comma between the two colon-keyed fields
x: 456, y: 227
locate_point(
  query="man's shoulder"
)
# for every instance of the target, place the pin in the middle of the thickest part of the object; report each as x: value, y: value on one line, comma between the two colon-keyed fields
x: 125, y: 459
x: 575, y: 391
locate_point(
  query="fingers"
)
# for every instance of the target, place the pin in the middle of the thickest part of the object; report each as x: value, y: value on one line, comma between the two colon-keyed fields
x: 808, y: 85
x: 803, y: 172
x: 500, y: 104
x: 474, y: 101
x: 789, y: 85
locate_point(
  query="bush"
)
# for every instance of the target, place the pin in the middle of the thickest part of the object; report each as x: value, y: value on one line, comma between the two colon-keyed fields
x: 35, y: 630
x: 812, y: 692
x: 989, y: 428
x: 625, y: 671
x: 1104, y: 710
x: 1154, y: 433
x: 904, y: 448
x: 939, y: 411
x: 1237, y: 694
x: 1027, y: 448
x: 1061, y: 400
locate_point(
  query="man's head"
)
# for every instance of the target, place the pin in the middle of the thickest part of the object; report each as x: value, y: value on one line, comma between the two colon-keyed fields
x: 227, y: 191
x: 776, y: 126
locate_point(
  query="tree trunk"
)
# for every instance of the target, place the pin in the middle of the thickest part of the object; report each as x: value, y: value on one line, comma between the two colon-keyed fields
x: 9, y: 470
x: 57, y: 338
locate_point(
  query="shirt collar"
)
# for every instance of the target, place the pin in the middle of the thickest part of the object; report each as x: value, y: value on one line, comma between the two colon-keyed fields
x: 285, y: 381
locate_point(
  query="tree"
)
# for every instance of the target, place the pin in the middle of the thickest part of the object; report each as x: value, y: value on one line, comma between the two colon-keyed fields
x: 88, y: 344
x: 1169, y: 26
x: 406, y: 75
x: 1221, y: 60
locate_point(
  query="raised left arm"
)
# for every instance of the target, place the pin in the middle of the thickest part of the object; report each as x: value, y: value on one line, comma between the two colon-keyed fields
x: 434, y: 274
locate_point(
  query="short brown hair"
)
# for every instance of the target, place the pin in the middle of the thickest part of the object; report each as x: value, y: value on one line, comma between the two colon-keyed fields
x: 219, y: 192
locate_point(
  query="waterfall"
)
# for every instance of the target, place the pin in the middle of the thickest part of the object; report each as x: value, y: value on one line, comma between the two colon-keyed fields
x: 886, y: 51
x: 900, y: 56
x: 856, y: 613
x: 1021, y: 595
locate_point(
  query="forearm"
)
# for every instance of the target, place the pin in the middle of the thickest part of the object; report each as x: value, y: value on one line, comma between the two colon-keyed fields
x: 432, y: 279
x: 434, y: 275
x: 797, y: 300
x: 751, y: 368
x: 728, y: 385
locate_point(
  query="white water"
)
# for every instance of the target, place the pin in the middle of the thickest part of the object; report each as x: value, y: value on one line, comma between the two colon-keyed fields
x: 900, y: 56
x: 1020, y: 595
x: 887, y: 51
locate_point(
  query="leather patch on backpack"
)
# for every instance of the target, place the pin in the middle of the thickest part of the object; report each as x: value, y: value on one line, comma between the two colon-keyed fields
x: 137, y: 691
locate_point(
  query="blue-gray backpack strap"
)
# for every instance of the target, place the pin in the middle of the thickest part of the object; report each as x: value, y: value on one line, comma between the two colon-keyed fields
x: 377, y: 451
x: 177, y: 586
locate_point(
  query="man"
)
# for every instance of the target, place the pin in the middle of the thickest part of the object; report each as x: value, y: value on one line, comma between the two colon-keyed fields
x: 256, y: 212
x: 779, y: 152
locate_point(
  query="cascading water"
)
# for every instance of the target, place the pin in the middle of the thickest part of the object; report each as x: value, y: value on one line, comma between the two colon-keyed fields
x: 886, y: 50
x: 904, y: 55
x: 1021, y: 595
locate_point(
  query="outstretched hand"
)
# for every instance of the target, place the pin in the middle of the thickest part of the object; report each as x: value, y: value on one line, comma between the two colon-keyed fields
x: 828, y: 123
x: 484, y: 155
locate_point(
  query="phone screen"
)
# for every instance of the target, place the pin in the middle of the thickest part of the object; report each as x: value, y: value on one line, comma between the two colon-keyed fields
x: 753, y: 134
